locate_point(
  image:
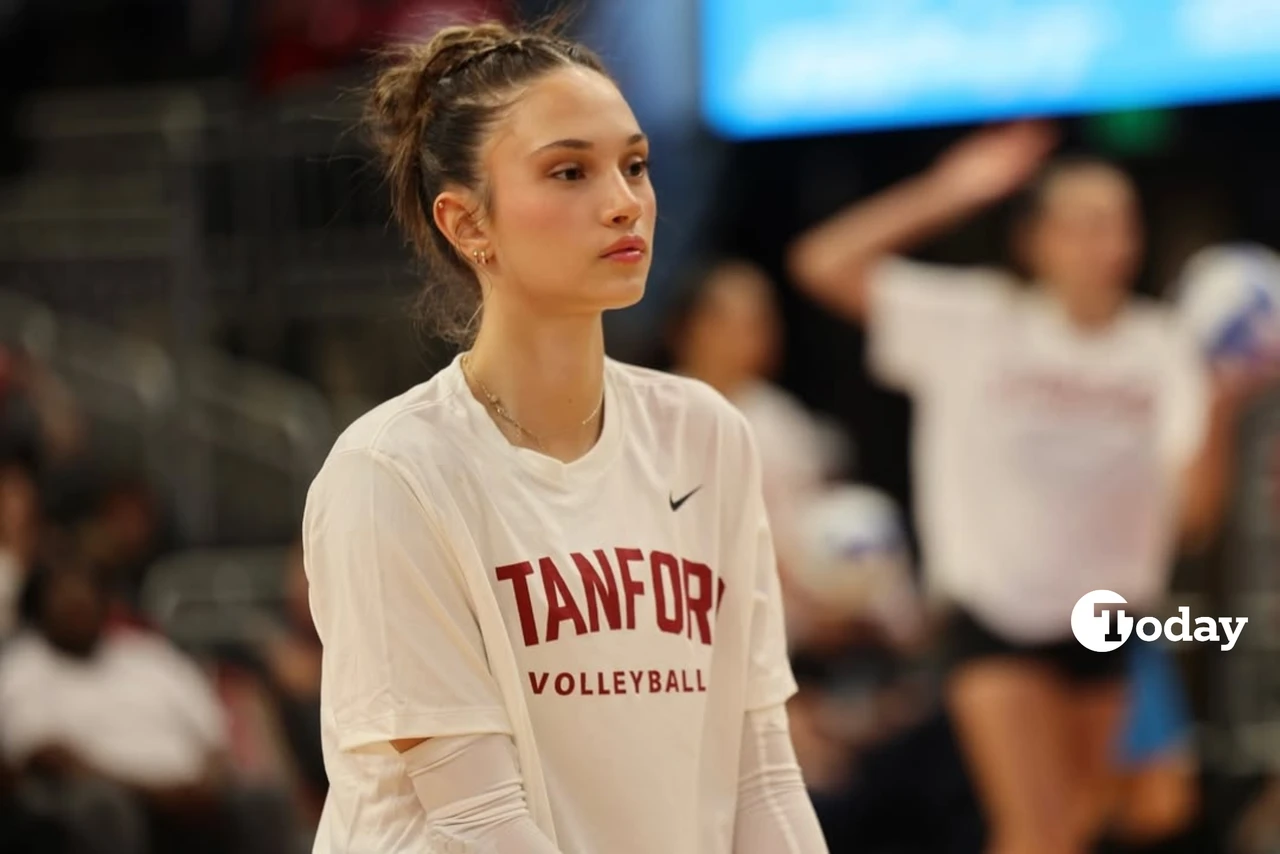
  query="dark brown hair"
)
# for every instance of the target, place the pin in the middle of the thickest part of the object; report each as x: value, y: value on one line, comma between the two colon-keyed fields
x: 1028, y: 205
x: 429, y: 112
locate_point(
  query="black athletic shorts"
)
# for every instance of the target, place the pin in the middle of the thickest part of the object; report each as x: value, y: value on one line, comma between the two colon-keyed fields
x: 966, y: 639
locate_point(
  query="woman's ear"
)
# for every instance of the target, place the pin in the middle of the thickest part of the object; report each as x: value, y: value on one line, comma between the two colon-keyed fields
x: 457, y: 215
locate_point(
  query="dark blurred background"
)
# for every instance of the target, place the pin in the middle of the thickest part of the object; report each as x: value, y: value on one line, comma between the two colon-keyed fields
x: 199, y: 287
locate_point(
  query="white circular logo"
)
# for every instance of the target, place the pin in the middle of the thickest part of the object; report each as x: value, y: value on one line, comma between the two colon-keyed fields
x: 1098, y: 621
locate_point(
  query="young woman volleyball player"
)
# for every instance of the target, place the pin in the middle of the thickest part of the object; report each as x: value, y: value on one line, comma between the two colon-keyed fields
x: 1065, y: 436
x: 543, y: 579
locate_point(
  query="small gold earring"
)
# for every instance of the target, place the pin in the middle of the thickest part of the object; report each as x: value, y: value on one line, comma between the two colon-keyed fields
x: 481, y: 257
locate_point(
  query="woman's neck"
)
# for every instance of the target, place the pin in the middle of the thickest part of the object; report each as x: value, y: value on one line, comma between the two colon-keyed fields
x: 547, y: 376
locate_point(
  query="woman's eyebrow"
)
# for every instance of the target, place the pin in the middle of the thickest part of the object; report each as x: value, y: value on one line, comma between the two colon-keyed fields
x: 584, y: 144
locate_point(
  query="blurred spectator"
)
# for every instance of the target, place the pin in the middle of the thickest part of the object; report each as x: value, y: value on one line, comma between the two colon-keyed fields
x: 36, y: 405
x: 291, y: 657
x: 112, y: 518
x: 19, y: 515
x: 118, y: 734
x: 726, y: 331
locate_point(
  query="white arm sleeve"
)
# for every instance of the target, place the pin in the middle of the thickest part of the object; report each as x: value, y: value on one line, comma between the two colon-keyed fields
x: 775, y: 815
x: 472, y: 792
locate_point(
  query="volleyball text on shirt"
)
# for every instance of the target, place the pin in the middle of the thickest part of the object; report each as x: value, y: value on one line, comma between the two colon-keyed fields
x: 683, y: 600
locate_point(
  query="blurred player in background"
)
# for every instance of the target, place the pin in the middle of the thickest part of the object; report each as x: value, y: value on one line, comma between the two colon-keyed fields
x: 1067, y: 437
x: 726, y: 331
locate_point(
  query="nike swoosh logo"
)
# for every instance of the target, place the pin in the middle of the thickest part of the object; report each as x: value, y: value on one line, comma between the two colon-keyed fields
x: 676, y: 503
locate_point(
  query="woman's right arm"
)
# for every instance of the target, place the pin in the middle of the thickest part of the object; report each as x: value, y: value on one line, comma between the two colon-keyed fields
x: 405, y: 669
x: 832, y: 261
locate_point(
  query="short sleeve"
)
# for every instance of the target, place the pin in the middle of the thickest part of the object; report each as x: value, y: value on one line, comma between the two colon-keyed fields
x: 1187, y: 398
x: 923, y: 315
x: 403, y: 653
x: 769, y: 678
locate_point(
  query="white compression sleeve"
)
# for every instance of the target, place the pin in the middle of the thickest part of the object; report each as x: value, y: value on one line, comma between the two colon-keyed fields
x: 775, y: 815
x: 471, y: 789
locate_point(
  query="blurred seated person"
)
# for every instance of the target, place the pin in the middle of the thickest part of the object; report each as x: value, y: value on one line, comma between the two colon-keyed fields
x: 874, y: 747
x: 19, y: 520
x: 118, y: 732
x: 112, y: 517
x: 859, y: 669
x: 290, y: 651
x: 36, y: 400
x: 726, y: 331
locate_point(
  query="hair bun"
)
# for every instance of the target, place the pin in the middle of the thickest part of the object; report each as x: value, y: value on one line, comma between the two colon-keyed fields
x: 401, y: 95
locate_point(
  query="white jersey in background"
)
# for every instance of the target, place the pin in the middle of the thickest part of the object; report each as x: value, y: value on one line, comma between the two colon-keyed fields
x: 618, y: 614
x: 137, y: 710
x: 1047, y: 459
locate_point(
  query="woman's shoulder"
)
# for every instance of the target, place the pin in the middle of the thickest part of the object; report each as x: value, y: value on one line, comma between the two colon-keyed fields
x: 410, y: 425
x: 412, y: 437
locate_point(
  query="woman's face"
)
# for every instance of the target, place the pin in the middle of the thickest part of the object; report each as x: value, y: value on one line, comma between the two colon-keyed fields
x: 1086, y: 241
x: 570, y: 207
x: 735, y: 328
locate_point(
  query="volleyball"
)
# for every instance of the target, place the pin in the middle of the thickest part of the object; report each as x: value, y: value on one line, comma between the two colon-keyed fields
x: 853, y: 551
x: 1230, y: 298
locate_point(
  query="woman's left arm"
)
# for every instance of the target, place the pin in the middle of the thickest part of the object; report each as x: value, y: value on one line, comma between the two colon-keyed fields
x: 775, y: 815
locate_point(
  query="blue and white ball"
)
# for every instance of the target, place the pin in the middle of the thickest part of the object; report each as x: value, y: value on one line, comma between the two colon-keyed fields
x: 1229, y: 296
x: 853, y: 551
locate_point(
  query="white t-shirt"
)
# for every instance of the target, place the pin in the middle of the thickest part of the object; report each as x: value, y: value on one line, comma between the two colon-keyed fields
x: 138, y: 710
x: 1047, y: 459
x: 635, y: 597
x: 796, y: 455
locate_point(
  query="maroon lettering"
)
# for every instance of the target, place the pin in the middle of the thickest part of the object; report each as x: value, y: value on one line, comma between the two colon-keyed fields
x: 601, y: 589
x: 719, y: 595
x: 631, y: 588
x: 560, y: 604
x: 666, y: 582
x: 685, y: 681
x: 698, y: 602
x: 518, y: 574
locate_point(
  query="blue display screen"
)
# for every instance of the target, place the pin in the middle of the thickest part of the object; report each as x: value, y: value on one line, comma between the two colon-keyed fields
x: 787, y: 67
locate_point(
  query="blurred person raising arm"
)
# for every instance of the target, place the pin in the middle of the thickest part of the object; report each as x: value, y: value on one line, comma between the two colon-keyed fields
x: 1067, y: 435
x: 833, y: 262
x: 837, y: 263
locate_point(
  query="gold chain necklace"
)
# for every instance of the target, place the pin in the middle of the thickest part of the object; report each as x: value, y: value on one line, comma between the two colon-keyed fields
x: 501, y: 410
